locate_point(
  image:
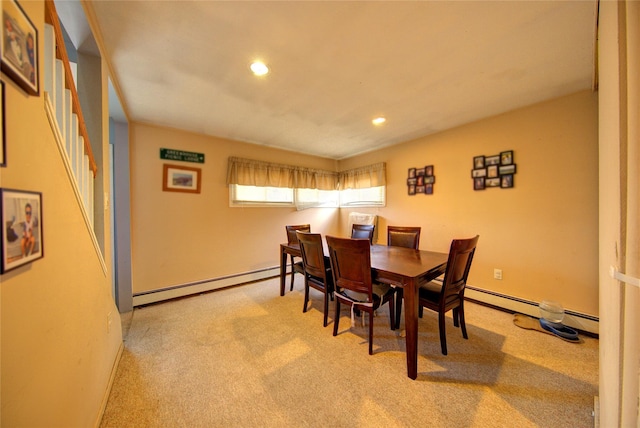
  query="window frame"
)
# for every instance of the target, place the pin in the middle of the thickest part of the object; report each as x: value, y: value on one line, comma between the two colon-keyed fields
x: 296, y: 199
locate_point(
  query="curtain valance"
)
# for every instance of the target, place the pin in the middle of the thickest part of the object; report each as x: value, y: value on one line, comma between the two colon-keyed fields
x: 363, y: 177
x: 249, y: 172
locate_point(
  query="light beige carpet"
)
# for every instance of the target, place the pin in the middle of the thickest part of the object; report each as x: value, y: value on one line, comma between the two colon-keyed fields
x: 246, y: 357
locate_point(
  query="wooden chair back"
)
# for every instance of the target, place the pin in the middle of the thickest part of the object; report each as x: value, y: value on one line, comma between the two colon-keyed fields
x: 317, y: 269
x: 363, y: 231
x: 404, y: 236
x: 291, y: 232
x: 458, y: 265
x: 313, y: 255
x: 351, y: 264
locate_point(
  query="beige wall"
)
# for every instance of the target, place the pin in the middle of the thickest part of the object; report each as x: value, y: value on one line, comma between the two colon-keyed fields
x: 57, y: 354
x: 542, y: 233
x: 179, y: 238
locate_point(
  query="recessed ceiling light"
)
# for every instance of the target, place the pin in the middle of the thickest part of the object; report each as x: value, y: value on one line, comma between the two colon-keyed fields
x: 259, y: 69
x: 378, y: 120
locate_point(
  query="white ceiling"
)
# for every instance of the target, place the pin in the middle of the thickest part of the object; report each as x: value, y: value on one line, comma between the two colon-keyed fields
x: 427, y: 66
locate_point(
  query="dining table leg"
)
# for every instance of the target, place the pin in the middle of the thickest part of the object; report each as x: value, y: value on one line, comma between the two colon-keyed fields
x: 411, y: 301
x: 283, y: 268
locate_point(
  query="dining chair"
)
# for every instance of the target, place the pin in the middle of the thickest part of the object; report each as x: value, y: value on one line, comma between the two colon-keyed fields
x: 352, y: 279
x: 317, y: 269
x: 292, y: 239
x: 402, y: 236
x: 447, y: 295
x: 363, y: 231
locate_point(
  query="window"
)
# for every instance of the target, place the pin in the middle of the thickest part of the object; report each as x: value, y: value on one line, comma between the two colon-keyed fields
x: 305, y: 198
x: 260, y: 183
x: 314, y: 198
x: 369, y: 197
x: 254, y: 195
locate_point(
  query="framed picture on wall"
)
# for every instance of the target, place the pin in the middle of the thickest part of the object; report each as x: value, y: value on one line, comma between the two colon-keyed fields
x: 507, y: 169
x: 506, y: 181
x: 506, y: 158
x: 21, y: 228
x: 478, y: 162
x: 3, y: 134
x: 492, y: 160
x: 428, y: 189
x: 478, y: 172
x: 19, y: 43
x: 178, y: 178
x: 492, y: 182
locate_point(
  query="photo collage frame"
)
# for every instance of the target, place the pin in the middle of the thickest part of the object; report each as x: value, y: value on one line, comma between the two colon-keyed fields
x: 421, y: 180
x: 493, y: 171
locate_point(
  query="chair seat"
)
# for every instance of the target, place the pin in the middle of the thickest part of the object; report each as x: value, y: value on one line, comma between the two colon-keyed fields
x: 320, y: 281
x: 298, y: 267
x: 431, y: 291
x: 380, y: 292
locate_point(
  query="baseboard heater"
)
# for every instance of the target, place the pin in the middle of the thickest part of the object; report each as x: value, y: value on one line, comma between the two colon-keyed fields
x: 203, y: 286
x: 583, y: 322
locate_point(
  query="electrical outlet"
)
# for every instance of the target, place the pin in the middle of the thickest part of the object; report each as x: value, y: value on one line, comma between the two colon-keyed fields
x: 497, y: 274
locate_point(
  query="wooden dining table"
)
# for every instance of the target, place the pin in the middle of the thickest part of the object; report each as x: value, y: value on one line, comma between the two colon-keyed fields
x: 402, y: 267
x: 287, y: 249
x: 408, y: 268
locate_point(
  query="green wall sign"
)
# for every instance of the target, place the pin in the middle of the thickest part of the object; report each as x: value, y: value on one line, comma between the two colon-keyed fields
x: 179, y: 155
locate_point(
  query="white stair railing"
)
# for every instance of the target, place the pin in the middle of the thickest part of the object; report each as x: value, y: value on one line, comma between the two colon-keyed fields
x: 65, y: 115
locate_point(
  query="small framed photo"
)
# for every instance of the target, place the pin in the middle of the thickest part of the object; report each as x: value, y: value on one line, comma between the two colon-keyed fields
x: 492, y: 160
x: 507, y: 169
x: 19, y: 41
x: 419, y: 189
x: 478, y: 183
x: 429, y: 179
x: 478, y: 173
x: 21, y: 228
x: 492, y: 182
x: 506, y: 181
x: 177, y: 178
x: 412, y: 172
x: 492, y: 171
x: 428, y: 170
x: 412, y: 189
x: 428, y: 189
x: 478, y: 162
x: 420, y: 180
x: 3, y: 134
x: 506, y: 158
x: 420, y: 172
x: 412, y: 181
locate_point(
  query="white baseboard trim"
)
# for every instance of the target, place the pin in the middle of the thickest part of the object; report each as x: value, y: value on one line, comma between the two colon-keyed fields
x: 183, y: 290
x: 583, y: 322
